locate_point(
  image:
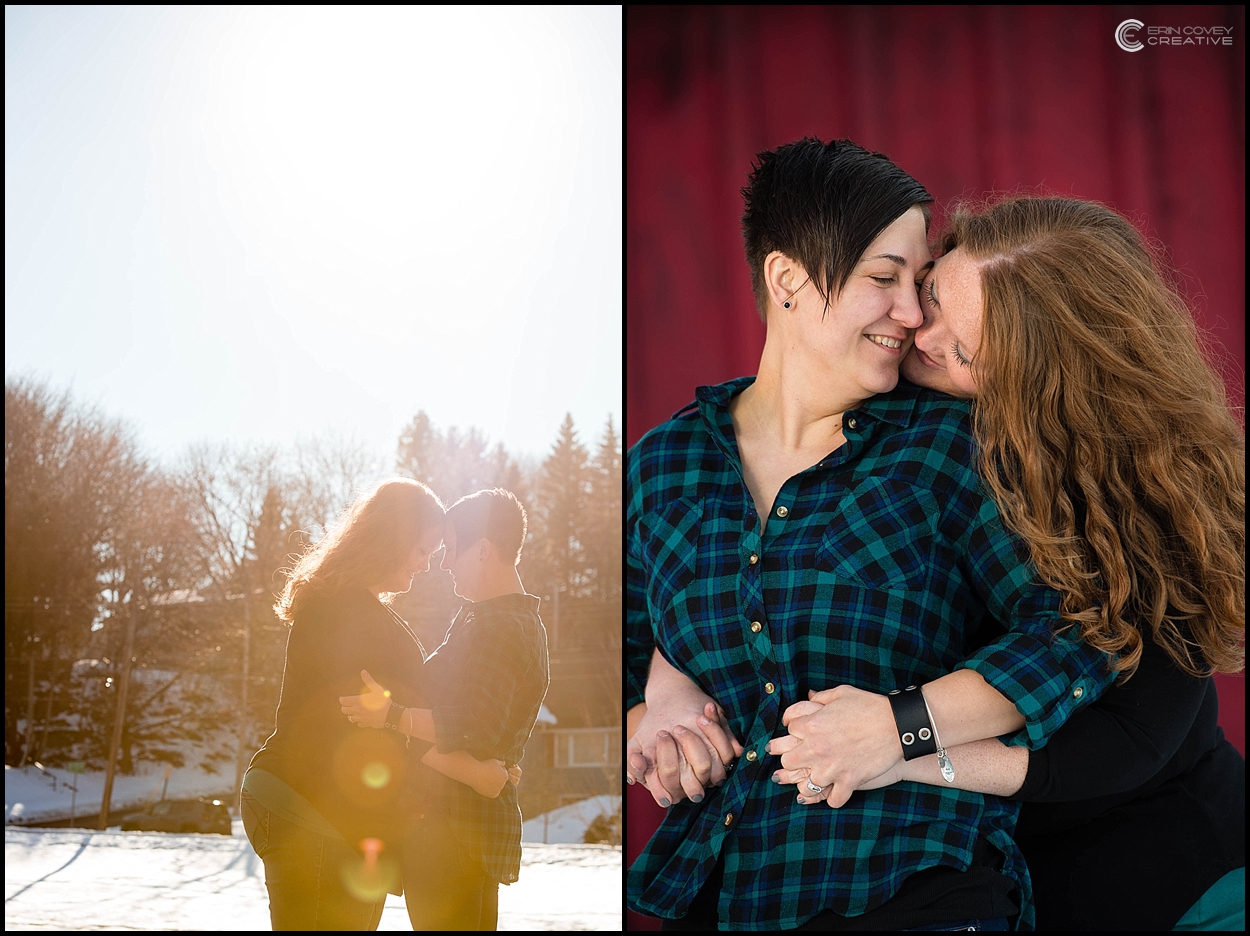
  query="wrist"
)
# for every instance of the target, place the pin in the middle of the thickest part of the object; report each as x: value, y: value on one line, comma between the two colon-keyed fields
x: 912, y: 726
x: 394, y: 715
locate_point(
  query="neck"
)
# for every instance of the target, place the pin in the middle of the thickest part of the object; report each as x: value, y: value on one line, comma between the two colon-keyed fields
x: 795, y: 399
x: 499, y: 582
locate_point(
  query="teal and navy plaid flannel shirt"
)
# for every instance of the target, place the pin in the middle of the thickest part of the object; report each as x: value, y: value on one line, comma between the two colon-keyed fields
x: 885, y: 565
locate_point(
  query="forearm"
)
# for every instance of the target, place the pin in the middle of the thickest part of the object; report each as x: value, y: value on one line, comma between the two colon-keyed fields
x: 986, y: 766
x: 967, y: 708
x: 663, y: 679
x: 483, y: 776
x: 633, y: 717
x: 418, y: 723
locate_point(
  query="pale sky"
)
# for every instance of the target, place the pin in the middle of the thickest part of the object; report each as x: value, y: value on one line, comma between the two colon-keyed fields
x: 257, y: 224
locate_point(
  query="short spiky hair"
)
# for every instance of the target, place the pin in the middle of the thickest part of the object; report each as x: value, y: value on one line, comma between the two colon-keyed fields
x: 822, y: 205
x: 493, y: 514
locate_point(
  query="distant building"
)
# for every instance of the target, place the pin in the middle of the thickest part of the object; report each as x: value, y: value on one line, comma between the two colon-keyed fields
x: 580, y: 755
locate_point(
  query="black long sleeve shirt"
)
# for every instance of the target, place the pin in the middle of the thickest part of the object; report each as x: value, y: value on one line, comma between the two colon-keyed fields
x: 1135, y: 807
x: 351, y: 775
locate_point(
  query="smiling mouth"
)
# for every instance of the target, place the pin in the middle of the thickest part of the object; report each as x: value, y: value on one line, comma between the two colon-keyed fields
x: 925, y: 359
x: 892, y: 343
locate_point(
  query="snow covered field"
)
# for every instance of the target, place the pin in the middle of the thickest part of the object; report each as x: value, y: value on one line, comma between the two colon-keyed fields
x: 58, y: 879
x: 75, y: 879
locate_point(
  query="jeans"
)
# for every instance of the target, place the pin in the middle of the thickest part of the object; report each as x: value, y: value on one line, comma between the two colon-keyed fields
x: 314, y: 882
x: 445, y: 888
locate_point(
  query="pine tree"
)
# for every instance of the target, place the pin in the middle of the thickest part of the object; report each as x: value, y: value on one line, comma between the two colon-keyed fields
x: 603, y: 522
x: 561, y: 496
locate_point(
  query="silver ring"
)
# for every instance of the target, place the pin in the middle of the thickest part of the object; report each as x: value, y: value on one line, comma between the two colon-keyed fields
x: 811, y: 786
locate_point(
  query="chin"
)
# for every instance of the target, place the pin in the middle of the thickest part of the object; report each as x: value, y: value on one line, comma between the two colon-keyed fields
x: 882, y: 382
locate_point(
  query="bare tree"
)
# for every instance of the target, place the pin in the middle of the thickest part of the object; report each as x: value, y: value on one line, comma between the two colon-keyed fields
x: 227, y: 489
x: 69, y: 473
x: 327, y: 474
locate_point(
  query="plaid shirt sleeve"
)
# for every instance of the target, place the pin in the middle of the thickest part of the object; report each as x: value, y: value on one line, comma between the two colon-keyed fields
x: 639, y: 642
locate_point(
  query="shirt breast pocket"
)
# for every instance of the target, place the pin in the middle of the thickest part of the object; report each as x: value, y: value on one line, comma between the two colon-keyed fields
x: 670, y: 542
x: 882, y: 536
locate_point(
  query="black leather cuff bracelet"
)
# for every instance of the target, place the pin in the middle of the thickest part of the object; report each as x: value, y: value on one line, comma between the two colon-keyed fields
x: 393, y: 716
x: 911, y: 717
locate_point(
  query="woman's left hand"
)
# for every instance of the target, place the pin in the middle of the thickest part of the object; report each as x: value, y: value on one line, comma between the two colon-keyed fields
x: 809, y: 797
x: 844, y: 737
x: 368, y: 710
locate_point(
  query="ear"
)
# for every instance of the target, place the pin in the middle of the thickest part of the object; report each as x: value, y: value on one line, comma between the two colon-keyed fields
x: 783, y: 277
x: 483, y: 549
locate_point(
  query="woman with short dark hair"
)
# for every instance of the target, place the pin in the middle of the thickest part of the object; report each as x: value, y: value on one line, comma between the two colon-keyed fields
x: 822, y: 525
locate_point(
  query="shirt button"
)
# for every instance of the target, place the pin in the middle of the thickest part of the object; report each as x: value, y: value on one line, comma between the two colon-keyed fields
x: 769, y: 688
x: 851, y: 423
x: 729, y: 819
x: 756, y: 627
x: 782, y: 511
x: 751, y: 755
x: 754, y: 558
x: 1078, y: 692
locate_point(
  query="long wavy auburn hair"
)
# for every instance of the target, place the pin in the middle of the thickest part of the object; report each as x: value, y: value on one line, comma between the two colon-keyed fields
x: 1105, y: 436
x: 369, y: 541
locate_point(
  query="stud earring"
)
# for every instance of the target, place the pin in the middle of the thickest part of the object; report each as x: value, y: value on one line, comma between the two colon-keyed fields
x: 786, y: 304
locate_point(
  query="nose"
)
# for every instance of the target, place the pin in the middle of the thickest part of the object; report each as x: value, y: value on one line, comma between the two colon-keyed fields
x: 927, y: 339
x: 907, y: 311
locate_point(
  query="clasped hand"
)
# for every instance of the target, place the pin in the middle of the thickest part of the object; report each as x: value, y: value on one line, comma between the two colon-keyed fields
x: 841, y: 739
x: 679, y: 750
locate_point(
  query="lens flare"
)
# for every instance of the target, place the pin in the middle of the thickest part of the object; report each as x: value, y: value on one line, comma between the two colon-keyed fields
x: 376, y: 775
x: 375, y: 702
x: 370, y: 877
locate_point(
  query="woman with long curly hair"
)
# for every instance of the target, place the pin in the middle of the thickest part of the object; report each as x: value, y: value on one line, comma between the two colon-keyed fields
x: 321, y: 800
x: 1108, y: 443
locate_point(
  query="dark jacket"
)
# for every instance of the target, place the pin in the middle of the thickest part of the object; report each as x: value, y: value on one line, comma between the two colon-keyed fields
x: 353, y: 776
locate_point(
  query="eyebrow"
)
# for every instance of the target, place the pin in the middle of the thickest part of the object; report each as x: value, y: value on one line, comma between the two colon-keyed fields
x: 895, y: 258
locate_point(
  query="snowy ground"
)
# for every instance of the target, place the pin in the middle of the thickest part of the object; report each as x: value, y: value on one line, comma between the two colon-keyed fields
x: 82, y: 879
x: 75, y: 879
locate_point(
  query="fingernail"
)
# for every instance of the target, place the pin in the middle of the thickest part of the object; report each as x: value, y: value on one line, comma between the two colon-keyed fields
x: 629, y: 779
x: 680, y: 729
x: 664, y: 803
x: 697, y: 799
x: 661, y: 734
x: 775, y: 778
x: 704, y: 720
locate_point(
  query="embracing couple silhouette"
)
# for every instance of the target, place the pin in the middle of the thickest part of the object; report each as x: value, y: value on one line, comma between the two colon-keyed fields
x: 392, y: 767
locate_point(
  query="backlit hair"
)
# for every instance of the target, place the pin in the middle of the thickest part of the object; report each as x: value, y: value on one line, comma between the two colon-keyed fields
x: 822, y: 205
x: 370, y: 541
x: 494, y: 515
x: 1106, y: 437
